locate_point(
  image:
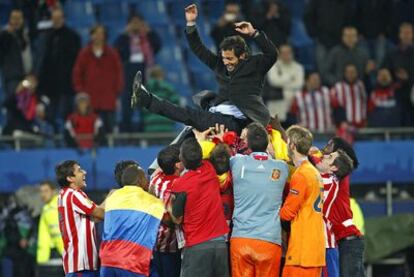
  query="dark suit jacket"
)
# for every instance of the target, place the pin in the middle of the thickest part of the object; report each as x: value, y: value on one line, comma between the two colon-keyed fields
x: 242, y: 87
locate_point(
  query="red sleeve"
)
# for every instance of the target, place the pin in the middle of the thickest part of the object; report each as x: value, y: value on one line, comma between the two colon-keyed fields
x: 334, y: 98
x: 82, y: 204
x: 294, y: 107
x: 78, y: 73
x: 178, y: 186
x: 119, y: 72
x: 295, y: 198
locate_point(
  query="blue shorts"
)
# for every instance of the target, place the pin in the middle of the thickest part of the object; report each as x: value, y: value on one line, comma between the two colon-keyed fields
x: 84, y: 273
x: 107, y: 271
x: 332, y: 263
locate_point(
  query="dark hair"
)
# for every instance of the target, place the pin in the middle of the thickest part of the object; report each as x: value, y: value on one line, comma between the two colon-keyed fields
x: 339, y: 143
x: 133, y: 175
x: 191, y: 154
x: 235, y: 43
x: 63, y: 170
x: 220, y: 158
x: 257, y: 137
x: 120, y: 168
x: 168, y: 157
x: 135, y: 15
x: 343, y: 163
x: 93, y: 29
x: 310, y: 73
x: 48, y: 183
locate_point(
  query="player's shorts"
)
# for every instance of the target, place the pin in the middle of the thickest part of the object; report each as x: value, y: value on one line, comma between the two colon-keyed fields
x: 84, y: 273
x: 107, y: 271
x: 332, y: 263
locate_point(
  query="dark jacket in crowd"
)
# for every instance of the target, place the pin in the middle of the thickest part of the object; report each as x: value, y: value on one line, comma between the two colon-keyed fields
x: 61, y: 47
x: 277, y: 29
x: 401, y: 58
x: 324, y: 20
x: 11, y: 61
x: 243, y: 87
x: 373, y: 17
x: 218, y: 33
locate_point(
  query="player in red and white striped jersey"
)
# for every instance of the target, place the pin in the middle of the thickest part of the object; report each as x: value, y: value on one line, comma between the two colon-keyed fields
x: 312, y: 107
x: 351, y: 95
x: 75, y: 221
x: 332, y: 167
x: 167, y: 257
x: 349, y: 239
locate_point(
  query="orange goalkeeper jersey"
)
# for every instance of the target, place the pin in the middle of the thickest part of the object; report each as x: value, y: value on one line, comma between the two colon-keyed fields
x: 303, y: 208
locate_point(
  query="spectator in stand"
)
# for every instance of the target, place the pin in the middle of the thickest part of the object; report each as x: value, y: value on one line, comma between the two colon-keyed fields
x: 197, y: 205
x: 313, y: 106
x: 21, y: 106
x: 164, y: 90
x: 98, y: 72
x: 401, y: 64
x: 275, y: 21
x: 41, y: 126
x: 285, y: 78
x: 137, y: 47
x: 167, y: 256
x: 348, y: 52
x: 324, y: 20
x: 225, y: 26
x: 58, y: 54
x: 83, y: 128
x: 49, y: 242
x: 350, y: 94
x: 373, y: 20
x: 383, y: 109
x: 15, y: 52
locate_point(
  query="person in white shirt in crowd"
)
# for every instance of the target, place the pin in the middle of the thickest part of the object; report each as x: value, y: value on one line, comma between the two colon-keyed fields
x: 285, y: 78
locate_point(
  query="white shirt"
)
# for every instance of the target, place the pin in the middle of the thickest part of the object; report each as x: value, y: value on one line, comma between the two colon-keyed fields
x: 227, y: 109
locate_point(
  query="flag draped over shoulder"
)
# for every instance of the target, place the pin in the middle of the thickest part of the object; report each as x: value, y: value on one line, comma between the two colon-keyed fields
x: 132, y: 218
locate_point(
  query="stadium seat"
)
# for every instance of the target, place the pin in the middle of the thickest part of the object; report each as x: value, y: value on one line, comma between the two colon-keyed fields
x: 79, y: 13
x: 113, y: 11
x: 204, y: 80
x: 154, y: 11
x: 298, y: 35
x: 295, y: 7
x: 5, y: 9
x: 213, y: 9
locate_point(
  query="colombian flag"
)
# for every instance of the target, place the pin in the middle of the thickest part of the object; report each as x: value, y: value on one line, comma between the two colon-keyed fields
x: 132, y: 218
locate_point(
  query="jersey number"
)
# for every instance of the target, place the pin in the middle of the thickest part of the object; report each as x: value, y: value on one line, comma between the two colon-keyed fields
x: 318, y: 203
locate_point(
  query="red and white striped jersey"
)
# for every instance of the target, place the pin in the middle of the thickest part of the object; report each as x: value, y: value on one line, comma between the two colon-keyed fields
x: 313, y: 109
x: 353, y: 99
x: 77, y: 230
x: 330, y: 192
x: 160, y: 186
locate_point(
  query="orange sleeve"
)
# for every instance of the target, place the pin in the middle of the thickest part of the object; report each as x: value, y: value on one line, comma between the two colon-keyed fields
x: 295, y: 197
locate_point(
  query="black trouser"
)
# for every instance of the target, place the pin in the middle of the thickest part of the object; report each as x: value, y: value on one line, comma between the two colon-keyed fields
x: 199, y: 119
x: 351, y: 257
x: 207, y: 259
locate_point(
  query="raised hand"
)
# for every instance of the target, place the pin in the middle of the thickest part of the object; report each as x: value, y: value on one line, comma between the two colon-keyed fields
x: 191, y: 13
x: 245, y: 28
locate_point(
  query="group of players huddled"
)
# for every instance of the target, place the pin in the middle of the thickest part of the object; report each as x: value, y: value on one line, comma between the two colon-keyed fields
x: 240, y: 197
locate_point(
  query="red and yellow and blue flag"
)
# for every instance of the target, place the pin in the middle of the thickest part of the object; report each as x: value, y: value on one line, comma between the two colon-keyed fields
x: 132, y: 218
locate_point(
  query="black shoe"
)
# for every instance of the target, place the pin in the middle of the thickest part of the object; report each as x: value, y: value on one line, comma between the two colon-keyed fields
x: 140, y: 96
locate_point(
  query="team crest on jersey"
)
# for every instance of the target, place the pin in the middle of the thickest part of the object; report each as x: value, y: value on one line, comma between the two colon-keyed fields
x: 275, y: 174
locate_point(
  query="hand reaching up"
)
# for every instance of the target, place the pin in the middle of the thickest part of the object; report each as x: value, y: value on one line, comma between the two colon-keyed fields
x: 191, y: 13
x: 245, y: 28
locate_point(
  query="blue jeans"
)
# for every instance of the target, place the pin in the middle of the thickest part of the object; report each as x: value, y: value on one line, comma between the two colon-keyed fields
x: 351, y: 257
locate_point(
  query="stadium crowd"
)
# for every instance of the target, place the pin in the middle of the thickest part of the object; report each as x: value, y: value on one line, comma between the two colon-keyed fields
x: 362, y: 61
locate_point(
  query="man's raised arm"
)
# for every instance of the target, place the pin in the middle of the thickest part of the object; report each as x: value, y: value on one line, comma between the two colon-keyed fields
x: 270, y: 52
x: 193, y: 38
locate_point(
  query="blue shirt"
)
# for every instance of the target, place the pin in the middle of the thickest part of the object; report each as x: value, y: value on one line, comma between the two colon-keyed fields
x: 258, y: 183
